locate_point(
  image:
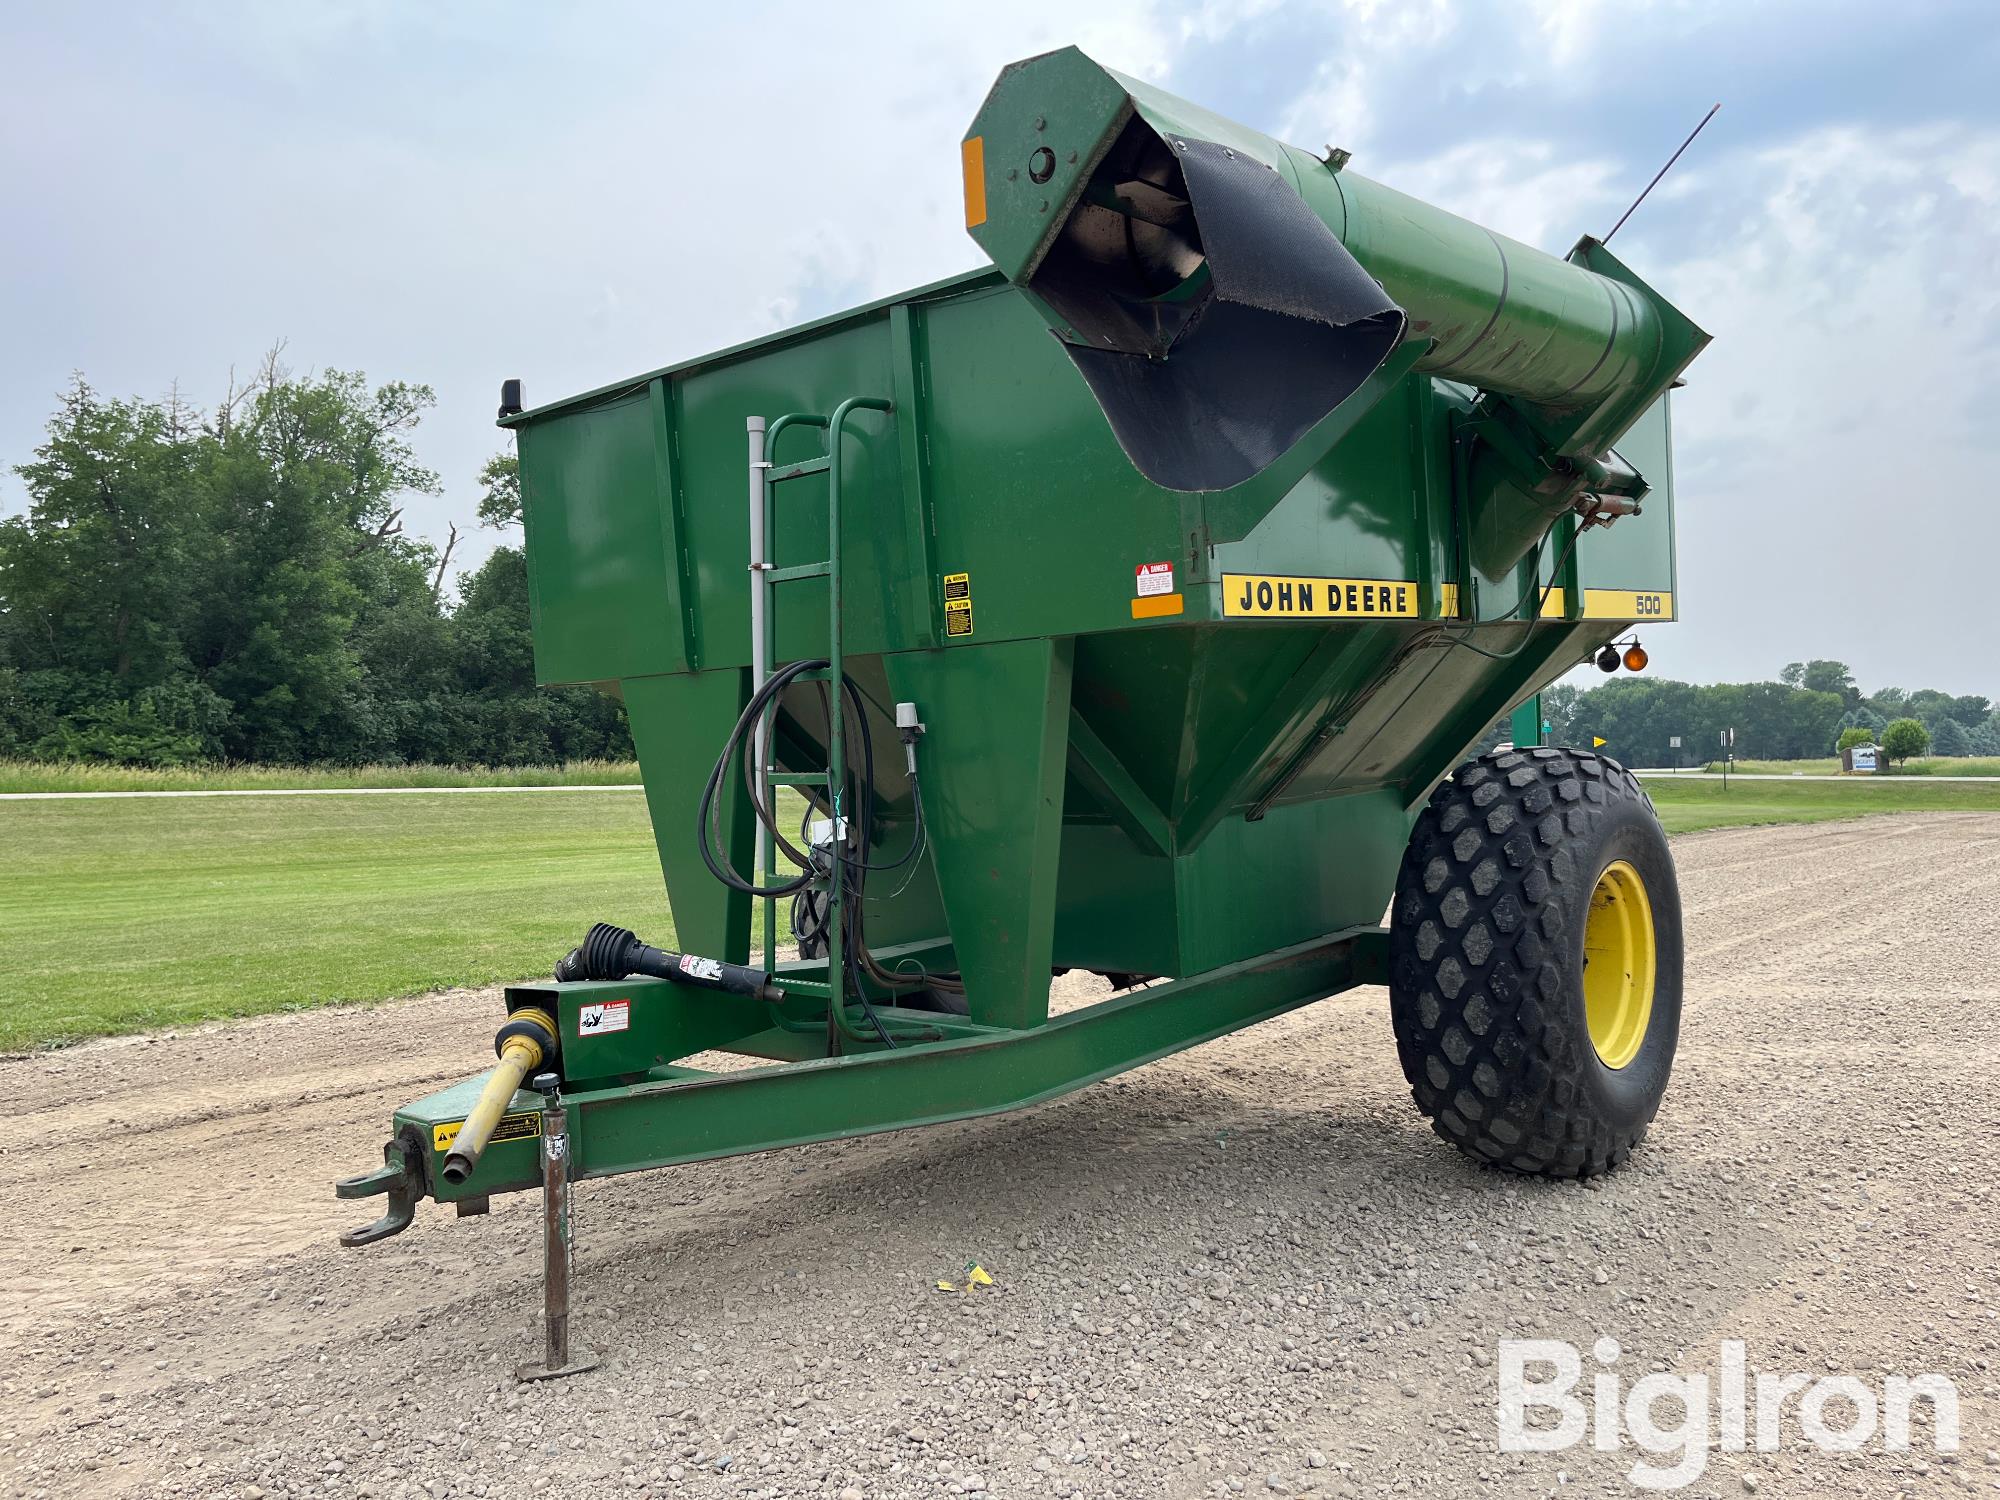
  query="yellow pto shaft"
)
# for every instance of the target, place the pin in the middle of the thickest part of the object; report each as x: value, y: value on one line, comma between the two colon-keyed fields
x: 528, y: 1037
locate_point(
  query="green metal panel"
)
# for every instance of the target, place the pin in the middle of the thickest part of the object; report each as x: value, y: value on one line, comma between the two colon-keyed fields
x: 1060, y: 102
x: 995, y: 749
x: 1317, y: 858
x: 592, y: 516
x: 1526, y: 727
x: 1638, y: 553
x: 678, y: 726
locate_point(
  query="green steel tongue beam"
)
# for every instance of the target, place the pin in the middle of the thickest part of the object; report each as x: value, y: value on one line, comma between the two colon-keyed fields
x: 673, y: 1114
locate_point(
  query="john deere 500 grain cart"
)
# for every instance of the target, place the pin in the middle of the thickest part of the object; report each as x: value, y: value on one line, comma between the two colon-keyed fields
x: 1128, y: 606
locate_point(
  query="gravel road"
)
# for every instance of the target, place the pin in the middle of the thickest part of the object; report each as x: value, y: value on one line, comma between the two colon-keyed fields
x: 1250, y: 1268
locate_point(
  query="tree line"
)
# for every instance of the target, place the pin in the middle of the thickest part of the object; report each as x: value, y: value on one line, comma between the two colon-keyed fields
x: 237, y: 584
x: 1801, y: 716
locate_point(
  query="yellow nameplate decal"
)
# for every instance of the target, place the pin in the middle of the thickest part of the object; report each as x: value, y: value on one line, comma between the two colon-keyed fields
x: 1273, y: 596
x: 1627, y: 604
x: 1613, y: 604
x: 519, y: 1127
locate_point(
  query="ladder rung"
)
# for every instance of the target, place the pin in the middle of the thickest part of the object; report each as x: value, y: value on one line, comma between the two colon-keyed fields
x: 797, y: 471
x: 803, y: 570
x: 796, y: 778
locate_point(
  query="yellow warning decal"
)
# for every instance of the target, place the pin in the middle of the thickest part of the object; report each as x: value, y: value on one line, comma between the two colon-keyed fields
x: 1613, y: 604
x: 972, y: 157
x: 957, y: 604
x: 1157, y: 606
x: 521, y: 1127
x: 1263, y: 596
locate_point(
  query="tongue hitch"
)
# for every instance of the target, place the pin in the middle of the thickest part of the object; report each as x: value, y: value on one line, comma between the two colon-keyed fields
x: 400, y: 1177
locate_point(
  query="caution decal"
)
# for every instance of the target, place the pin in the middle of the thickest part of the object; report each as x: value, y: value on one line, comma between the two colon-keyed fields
x: 521, y: 1127
x: 957, y: 604
x: 1262, y: 596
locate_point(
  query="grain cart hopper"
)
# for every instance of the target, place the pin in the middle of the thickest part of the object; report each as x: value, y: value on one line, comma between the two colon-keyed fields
x: 1124, y: 607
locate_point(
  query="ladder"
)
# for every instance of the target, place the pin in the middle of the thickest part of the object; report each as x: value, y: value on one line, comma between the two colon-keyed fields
x: 765, y: 475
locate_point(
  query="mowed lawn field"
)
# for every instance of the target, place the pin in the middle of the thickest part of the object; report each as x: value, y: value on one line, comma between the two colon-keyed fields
x: 129, y: 914
x: 120, y: 915
x: 1689, y: 805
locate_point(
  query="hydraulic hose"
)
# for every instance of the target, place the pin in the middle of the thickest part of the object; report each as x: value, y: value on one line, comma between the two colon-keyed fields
x: 527, y: 1040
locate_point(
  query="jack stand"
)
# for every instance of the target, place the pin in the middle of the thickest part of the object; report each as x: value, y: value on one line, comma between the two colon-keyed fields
x: 558, y: 1359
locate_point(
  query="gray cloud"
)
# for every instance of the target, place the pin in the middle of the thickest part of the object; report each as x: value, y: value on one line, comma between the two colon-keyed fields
x: 572, y: 195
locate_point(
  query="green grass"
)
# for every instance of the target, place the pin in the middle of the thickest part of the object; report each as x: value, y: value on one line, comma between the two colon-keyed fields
x: 1688, y: 805
x: 1953, y: 765
x: 117, y: 916
x: 81, y: 776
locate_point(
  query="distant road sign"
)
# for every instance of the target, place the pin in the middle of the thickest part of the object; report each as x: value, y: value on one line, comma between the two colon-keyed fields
x: 1674, y: 741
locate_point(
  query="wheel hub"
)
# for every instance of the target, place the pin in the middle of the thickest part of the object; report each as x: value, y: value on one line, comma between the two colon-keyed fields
x: 1619, y: 964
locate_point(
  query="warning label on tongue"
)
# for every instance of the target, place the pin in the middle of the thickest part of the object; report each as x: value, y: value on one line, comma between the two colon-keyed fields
x: 1154, y: 578
x: 603, y: 1016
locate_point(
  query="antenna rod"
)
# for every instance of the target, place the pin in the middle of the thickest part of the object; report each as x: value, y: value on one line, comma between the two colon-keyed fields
x: 1661, y: 173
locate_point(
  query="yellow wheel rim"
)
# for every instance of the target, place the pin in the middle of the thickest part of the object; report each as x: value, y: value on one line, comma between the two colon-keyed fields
x: 1619, y: 963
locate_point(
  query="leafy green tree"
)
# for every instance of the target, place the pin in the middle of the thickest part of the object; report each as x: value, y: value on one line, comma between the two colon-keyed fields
x: 1865, y: 719
x: 1949, y: 737
x: 500, y: 492
x: 1903, y: 738
x: 1558, y: 709
x: 94, y: 575
x: 1852, y: 737
x: 1830, y: 677
x: 304, y: 492
x: 1928, y: 704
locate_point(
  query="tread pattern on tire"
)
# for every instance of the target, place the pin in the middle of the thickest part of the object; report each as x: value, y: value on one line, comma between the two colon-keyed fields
x: 1486, y: 894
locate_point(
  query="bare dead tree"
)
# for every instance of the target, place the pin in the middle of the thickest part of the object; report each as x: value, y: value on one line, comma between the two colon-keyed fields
x: 225, y: 409
x: 182, y: 417
x: 444, y: 561
x: 272, y: 371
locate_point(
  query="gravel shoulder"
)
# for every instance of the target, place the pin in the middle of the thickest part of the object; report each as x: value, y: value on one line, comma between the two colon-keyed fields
x: 1248, y: 1267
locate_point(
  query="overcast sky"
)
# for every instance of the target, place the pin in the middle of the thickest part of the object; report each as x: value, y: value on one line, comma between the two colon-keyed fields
x: 571, y: 194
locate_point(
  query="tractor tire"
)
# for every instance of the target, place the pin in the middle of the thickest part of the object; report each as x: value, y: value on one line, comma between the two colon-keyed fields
x: 1535, y: 961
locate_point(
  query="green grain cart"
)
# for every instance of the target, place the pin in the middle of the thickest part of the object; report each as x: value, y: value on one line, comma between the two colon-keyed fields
x: 1128, y: 606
